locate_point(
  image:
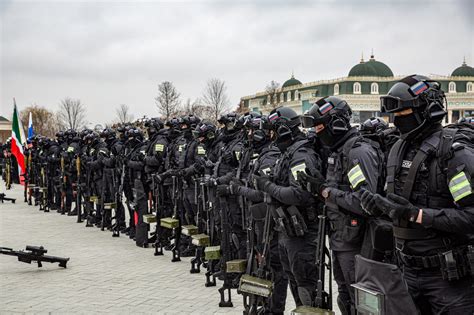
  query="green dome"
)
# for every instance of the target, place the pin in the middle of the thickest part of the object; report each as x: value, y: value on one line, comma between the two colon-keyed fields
x: 371, y: 68
x: 463, y: 71
x: 292, y: 81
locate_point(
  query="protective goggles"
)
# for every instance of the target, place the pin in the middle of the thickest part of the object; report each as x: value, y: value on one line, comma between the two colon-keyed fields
x: 391, y: 104
x: 309, y: 121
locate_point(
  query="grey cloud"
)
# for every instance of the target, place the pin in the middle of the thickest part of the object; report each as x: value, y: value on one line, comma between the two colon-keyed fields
x: 111, y: 53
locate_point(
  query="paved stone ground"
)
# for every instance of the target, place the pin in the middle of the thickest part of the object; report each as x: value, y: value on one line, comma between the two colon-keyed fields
x: 104, y: 274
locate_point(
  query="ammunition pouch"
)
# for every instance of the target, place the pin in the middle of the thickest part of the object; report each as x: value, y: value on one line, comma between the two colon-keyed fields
x: 454, y: 264
x: 289, y: 221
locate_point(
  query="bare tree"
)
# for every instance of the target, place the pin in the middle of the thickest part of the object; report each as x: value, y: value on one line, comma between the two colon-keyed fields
x: 167, y: 100
x: 123, y: 114
x: 71, y: 114
x: 44, y: 121
x: 198, y: 109
x: 272, y: 94
x: 215, y: 97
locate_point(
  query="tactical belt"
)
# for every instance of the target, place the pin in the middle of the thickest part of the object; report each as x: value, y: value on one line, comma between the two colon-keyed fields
x: 419, y: 261
x: 411, y: 234
x: 453, y: 264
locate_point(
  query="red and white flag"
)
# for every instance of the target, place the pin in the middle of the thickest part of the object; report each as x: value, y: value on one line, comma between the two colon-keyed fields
x: 18, y: 138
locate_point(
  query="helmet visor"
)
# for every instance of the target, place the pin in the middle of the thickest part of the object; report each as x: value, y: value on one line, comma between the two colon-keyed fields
x: 392, y: 104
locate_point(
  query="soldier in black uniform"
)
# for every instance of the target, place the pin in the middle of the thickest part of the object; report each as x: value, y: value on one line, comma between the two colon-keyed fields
x: 295, y: 208
x: 110, y: 185
x: 430, y: 186
x: 354, y: 163
x: 377, y: 129
x: 265, y: 156
x: 225, y: 169
x: 139, y: 205
x: 97, y: 151
x: 183, y: 156
x: 71, y: 148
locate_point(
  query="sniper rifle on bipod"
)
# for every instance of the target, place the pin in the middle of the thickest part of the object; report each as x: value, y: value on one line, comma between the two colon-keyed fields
x: 34, y: 253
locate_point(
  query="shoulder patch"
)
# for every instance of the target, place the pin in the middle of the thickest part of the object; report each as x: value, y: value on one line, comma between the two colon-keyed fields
x: 459, y: 186
x: 201, y: 150
x: 159, y: 147
x: 301, y: 167
x: 70, y: 149
x: 266, y: 171
x: 356, y: 176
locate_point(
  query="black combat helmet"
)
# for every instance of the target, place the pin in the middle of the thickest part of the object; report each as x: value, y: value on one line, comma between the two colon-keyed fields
x: 285, y: 124
x: 373, y: 125
x: 332, y: 115
x: 153, y: 125
x: 422, y: 96
x: 205, y: 132
x: 108, y: 134
x: 231, y: 123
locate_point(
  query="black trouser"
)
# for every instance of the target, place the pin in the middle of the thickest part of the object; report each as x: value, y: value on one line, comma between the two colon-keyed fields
x: 280, y: 279
x: 433, y: 295
x: 343, y: 266
x: 298, y: 256
x: 190, y: 206
x: 69, y: 195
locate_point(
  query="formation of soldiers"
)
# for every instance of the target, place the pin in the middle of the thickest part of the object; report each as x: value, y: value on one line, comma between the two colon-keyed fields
x: 253, y: 199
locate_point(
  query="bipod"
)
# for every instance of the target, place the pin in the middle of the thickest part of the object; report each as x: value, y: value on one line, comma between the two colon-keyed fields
x: 196, y: 262
x: 158, y: 247
x: 3, y: 197
x: 115, y: 227
x: 224, y: 302
x: 176, y: 254
x: 210, y: 275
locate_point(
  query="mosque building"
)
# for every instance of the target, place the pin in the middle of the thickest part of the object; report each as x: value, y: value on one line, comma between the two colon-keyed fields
x: 362, y: 88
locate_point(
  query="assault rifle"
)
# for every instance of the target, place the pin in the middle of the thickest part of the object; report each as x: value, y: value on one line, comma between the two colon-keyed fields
x: 78, y: 190
x: 226, y: 251
x: 177, y: 200
x: 34, y: 253
x: 323, y: 300
x: 63, y: 186
x: 255, y: 285
x: 157, y: 207
x: 44, y: 201
x: 118, y: 203
x: 26, y: 175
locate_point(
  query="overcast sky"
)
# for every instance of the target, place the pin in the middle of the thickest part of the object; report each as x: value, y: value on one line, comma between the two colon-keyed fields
x: 106, y: 53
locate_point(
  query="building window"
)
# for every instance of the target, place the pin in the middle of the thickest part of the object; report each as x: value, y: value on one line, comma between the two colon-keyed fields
x: 469, y: 87
x: 297, y: 95
x: 288, y: 96
x: 374, y: 88
x: 336, y: 89
x: 282, y: 97
x: 357, y: 88
x: 452, y: 87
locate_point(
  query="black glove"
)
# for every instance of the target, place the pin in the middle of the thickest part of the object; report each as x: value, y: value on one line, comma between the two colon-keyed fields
x: 396, y: 207
x: 259, y: 182
x: 317, y: 182
x: 210, y: 181
x: 223, y: 190
x: 368, y: 203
